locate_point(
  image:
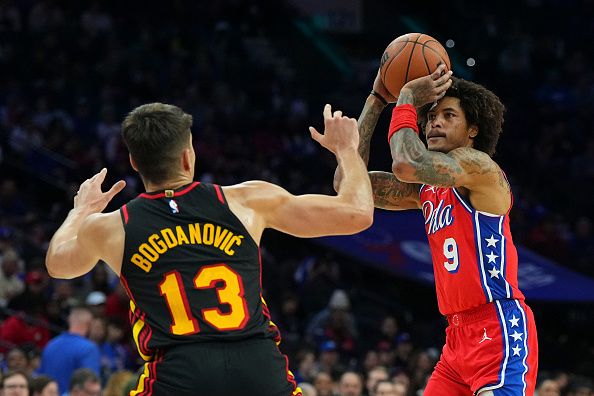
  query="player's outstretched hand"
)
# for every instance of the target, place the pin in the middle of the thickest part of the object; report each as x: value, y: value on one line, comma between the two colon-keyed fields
x: 380, y: 89
x: 340, y: 132
x: 90, y: 197
x: 428, y: 89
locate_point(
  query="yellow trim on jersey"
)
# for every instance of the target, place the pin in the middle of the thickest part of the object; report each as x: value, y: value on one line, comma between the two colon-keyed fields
x: 141, y: 380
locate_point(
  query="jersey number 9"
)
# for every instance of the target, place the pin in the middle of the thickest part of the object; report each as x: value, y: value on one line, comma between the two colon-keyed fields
x: 450, y: 251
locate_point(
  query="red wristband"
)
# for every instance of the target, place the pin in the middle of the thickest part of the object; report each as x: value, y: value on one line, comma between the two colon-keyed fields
x: 403, y: 116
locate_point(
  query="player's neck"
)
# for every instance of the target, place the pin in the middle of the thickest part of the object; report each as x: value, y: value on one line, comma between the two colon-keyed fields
x: 171, y: 184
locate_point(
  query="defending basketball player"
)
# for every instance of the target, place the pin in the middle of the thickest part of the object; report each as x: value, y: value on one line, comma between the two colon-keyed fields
x: 188, y: 255
x: 491, y: 346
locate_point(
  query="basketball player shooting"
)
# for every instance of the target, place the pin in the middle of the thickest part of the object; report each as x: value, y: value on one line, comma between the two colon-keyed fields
x: 491, y: 343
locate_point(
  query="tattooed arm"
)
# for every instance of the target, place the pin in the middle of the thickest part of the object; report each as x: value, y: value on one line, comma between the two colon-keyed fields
x: 463, y: 167
x: 366, y: 124
x: 391, y: 194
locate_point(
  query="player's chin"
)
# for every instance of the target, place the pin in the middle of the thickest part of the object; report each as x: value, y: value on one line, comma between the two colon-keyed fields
x: 439, y: 146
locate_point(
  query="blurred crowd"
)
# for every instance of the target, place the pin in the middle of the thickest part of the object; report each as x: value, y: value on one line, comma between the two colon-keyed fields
x: 69, y: 72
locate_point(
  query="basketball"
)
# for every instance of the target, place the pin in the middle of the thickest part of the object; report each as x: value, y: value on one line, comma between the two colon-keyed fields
x: 408, y: 57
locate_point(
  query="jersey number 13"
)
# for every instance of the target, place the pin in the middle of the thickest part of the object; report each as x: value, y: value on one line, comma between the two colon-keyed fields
x: 231, y: 293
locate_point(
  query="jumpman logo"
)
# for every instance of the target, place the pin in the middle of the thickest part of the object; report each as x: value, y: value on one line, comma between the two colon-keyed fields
x: 485, y: 337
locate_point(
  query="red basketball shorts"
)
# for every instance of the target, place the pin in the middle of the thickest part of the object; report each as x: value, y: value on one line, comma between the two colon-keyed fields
x: 492, y: 347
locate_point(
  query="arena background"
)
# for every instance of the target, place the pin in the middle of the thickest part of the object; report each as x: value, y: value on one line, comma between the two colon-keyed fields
x: 254, y: 75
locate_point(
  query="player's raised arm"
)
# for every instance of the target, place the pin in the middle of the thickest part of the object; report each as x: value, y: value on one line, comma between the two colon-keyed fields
x: 86, y: 233
x: 388, y: 192
x: 315, y: 215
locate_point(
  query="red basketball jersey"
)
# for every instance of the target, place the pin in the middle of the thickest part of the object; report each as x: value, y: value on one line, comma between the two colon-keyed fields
x: 474, y: 258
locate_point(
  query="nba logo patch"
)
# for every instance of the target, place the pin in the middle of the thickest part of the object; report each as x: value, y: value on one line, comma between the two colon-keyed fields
x: 173, y: 206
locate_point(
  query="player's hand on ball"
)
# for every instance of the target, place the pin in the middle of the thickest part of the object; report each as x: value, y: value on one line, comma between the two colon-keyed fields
x: 428, y: 89
x: 340, y: 132
x: 380, y: 89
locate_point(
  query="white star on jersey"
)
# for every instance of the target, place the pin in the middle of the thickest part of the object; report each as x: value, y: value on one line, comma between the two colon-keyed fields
x: 514, y: 321
x: 431, y: 188
x: 517, y: 336
x: 516, y: 350
x: 494, y: 273
x: 492, y: 256
x: 492, y: 241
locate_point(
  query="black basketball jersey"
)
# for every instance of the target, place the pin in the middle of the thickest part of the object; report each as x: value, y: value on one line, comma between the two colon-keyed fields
x: 191, y: 270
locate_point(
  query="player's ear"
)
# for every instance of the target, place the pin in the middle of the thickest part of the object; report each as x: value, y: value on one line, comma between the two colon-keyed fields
x: 473, y: 131
x: 133, y: 163
x: 186, y: 159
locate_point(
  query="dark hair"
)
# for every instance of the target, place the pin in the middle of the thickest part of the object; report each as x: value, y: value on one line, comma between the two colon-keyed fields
x: 482, y: 109
x: 81, y: 376
x: 155, y: 135
x: 39, y: 383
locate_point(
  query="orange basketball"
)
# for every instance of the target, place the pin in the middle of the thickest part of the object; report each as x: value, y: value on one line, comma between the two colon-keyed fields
x: 408, y: 57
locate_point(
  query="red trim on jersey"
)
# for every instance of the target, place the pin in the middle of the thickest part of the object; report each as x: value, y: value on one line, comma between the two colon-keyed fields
x: 125, y: 213
x: 124, y: 283
x: 143, y: 339
x: 260, y: 262
x: 219, y: 193
x: 175, y: 194
x: 290, y: 376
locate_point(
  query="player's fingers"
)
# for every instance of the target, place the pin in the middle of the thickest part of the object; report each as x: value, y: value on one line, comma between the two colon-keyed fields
x: 327, y: 111
x: 337, y: 114
x: 315, y: 135
x: 444, y: 87
x: 437, y: 73
x: 100, y: 177
x: 443, y: 79
x: 116, y: 188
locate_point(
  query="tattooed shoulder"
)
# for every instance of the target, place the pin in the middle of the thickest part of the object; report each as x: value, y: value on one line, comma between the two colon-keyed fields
x: 474, y: 161
x: 478, y: 163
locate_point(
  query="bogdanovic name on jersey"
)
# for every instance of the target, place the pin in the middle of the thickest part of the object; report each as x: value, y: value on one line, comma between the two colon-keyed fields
x: 196, y: 234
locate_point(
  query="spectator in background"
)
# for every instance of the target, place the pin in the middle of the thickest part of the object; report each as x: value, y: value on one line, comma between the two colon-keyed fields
x: 84, y: 382
x: 306, y: 366
x: 402, y: 381
x: 71, y: 350
x: 14, y: 383
x: 43, y: 386
x: 329, y: 359
x: 384, y: 388
x: 10, y: 283
x: 117, y: 383
x: 25, y: 329
x: 114, y: 355
x: 375, y: 375
x: 16, y: 360
x: 324, y: 384
x: 548, y: 387
x: 351, y: 384
x: 33, y: 298
x: 580, y: 386
x: 400, y: 389
x: 404, y: 350
x: 96, y: 303
x: 388, y: 333
x: 118, y: 304
x: 308, y: 389
x: 335, y: 322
